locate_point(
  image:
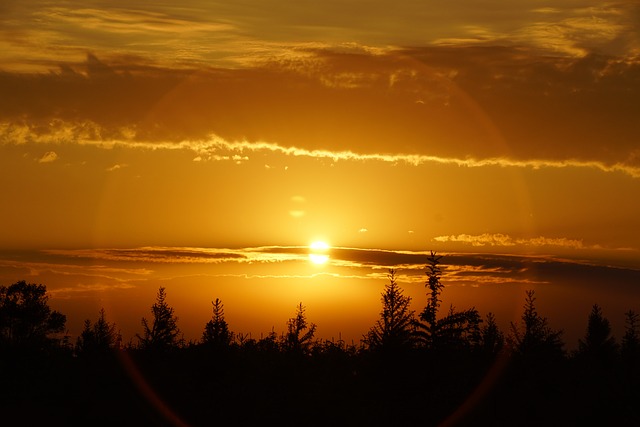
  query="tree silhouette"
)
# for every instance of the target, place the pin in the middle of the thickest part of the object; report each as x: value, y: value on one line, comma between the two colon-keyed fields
x: 395, y: 328
x: 457, y: 328
x: 491, y: 337
x: 269, y: 343
x: 630, y: 349
x: 534, y: 337
x: 26, y: 321
x: 216, y: 331
x: 598, y: 347
x: 429, y: 324
x: 296, y: 339
x: 163, y: 332
x: 99, y: 337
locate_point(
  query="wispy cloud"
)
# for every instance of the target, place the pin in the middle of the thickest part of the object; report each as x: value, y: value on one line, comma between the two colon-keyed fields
x: 220, y: 32
x: 182, y: 255
x: 458, y: 268
x: 37, y: 268
x: 116, y: 167
x: 215, y: 144
x: 584, y: 30
x: 208, y: 149
x: 215, y: 149
x: 87, y: 290
x: 499, y: 239
x: 436, y: 88
x: 48, y: 157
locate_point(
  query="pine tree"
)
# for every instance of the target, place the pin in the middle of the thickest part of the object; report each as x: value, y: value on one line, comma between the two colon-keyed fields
x: 434, y: 286
x: 296, y: 339
x: 456, y: 329
x: 395, y: 328
x: 630, y: 350
x: 216, y: 331
x: 491, y: 337
x: 99, y: 337
x: 163, y: 332
x: 535, y: 339
x: 598, y: 346
x: 269, y: 343
x: 459, y: 329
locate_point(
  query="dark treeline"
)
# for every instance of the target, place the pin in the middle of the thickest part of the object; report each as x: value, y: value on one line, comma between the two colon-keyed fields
x: 435, y: 367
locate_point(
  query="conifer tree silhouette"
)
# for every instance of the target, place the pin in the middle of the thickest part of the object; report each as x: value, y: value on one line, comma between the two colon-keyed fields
x: 296, y: 339
x: 216, y: 331
x: 163, y: 332
x: 491, y: 337
x: 430, y: 312
x: 394, y: 330
x: 630, y: 349
x: 598, y: 346
x: 99, y: 337
x: 457, y: 328
x: 269, y: 343
x: 534, y: 338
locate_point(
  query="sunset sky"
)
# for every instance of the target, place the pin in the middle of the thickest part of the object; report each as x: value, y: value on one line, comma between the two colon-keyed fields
x: 204, y: 146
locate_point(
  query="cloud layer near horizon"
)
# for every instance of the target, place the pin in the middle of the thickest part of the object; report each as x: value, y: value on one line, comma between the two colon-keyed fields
x: 129, y: 266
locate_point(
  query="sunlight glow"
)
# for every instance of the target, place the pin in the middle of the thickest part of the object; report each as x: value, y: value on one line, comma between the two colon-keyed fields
x: 318, y: 252
x: 319, y: 246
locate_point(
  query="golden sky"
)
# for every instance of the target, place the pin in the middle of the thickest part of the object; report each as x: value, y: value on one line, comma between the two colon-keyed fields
x: 209, y: 143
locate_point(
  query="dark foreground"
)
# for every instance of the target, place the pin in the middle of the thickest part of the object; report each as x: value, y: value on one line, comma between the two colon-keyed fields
x: 198, y: 386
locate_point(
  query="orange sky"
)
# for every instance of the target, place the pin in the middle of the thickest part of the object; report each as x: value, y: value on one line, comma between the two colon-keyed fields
x: 478, y: 130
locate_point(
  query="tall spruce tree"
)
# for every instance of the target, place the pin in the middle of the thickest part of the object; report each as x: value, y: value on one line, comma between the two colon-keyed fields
x: 300, y: 334
x: 216, y: 331
x: 491, y: 337
x: 394, y: 330
x: 163, y: 332
x: 457, y: 329
x: 429, y: 315
x: 598, y: 346
x: 630, y: 349
x: 533, y: 338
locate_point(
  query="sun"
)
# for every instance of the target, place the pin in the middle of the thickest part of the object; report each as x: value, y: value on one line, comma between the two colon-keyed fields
x: 318, y: 252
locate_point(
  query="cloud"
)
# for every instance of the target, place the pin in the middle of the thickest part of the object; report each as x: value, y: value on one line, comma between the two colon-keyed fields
x: 458, y: 268
x: 499, y: 239
x: 216, y: 144
x: 69, y: 276
x: 598, y: 28
x: 519, y: 108
x: 248, y: 32
x: 116, y: 167
x: 188, y: 255
x: 478, y: 240
x: 84, y: 290
x: 215, y: 148
x: 48, y: 157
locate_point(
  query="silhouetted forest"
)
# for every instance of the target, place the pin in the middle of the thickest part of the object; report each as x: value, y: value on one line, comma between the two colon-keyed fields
x: 435, y: 367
